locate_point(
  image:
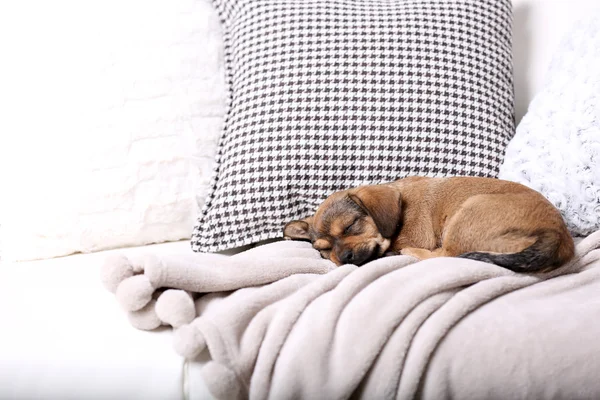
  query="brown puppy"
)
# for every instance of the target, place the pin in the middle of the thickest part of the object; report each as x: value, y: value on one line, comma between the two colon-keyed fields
x: 485, y: 219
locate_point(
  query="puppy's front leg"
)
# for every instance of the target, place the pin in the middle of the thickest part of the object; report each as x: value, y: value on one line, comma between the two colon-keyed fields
x: 422, y: 254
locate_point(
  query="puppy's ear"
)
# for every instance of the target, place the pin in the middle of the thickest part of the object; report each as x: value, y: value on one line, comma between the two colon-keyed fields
x: 383, y: 204
x: 298, y: 229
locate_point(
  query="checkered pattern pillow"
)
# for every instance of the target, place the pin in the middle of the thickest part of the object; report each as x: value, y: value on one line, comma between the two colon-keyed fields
x: 330, y: 94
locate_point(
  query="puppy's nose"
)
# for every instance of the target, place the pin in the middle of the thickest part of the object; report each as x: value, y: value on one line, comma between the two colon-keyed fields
x: 347, y: 257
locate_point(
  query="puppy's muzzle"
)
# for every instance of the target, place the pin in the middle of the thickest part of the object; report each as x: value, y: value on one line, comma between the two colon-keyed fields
x: 357, y: 257
x: 347, y: 257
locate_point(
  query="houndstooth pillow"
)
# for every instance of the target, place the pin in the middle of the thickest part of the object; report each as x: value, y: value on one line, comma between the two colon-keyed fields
x: 329, y: 94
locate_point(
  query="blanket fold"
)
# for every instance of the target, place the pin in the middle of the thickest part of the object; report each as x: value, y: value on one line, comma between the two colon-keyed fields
x: 279, y: 322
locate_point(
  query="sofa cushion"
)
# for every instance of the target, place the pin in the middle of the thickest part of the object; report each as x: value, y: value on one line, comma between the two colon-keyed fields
x: 65, y: 337
x: 326, y: 95
x: 556, y: 149
x: 118, y: 115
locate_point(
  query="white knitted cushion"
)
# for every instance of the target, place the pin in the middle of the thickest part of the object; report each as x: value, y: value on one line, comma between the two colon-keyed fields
x: 115, y: 112
x: 556, y: 149
x: 330, y: 94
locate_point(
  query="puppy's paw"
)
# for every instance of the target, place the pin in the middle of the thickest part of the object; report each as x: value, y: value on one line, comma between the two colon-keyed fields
x: 409, y: 251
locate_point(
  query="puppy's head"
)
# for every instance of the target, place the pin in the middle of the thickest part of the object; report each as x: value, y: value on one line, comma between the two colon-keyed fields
x: 352, y: 227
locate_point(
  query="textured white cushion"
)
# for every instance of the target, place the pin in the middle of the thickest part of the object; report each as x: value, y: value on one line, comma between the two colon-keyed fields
x: 119, y: 110
x: 538, y: 26
x: 556, y: 149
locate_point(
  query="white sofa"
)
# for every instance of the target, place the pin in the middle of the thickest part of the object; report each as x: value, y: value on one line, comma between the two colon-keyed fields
x: 64, y: 336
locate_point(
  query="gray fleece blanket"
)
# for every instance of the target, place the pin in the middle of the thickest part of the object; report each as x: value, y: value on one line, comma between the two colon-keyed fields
x: 394, y: 328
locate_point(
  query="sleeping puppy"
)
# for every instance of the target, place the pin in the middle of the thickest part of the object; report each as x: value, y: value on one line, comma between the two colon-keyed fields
x: 484, y: 219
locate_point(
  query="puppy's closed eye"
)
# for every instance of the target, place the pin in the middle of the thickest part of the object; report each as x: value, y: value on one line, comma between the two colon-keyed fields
x: 325, y: 253
x: 350, y: 229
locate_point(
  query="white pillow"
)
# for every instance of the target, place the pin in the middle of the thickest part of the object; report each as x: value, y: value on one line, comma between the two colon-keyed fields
x: 556, y: 149
x: 122, y: 106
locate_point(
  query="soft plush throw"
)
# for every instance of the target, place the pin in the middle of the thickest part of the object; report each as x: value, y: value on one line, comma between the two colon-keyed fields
x: 326, y: 95
x: 556, y: 149
x: 283, y: 323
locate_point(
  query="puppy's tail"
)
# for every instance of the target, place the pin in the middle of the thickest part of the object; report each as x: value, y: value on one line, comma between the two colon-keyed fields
x: 550, y: 250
